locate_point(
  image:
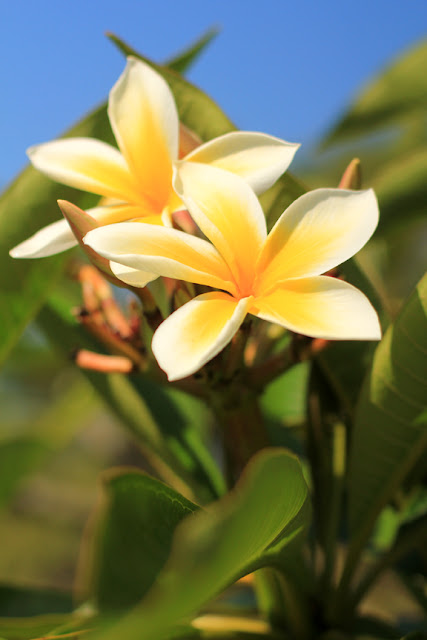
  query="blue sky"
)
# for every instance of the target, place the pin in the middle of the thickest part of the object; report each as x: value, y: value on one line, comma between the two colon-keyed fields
x: 286, y: 68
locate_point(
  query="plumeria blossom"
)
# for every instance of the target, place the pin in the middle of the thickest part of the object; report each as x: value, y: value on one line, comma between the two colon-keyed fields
x: 276, y: 277
x: 137, y: 177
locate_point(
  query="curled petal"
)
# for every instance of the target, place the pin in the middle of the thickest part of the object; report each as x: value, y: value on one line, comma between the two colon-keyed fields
x: 110, y: 214
x: 132, y: 277
x: 229, y: 214
x: 319, y: 231
x: 163, y: 251
x: 87, y: 164
x: 320, y: 307
x: 54, y: 238
x: 258, y: 158
x: 145, y: 122
x: 197, y: 332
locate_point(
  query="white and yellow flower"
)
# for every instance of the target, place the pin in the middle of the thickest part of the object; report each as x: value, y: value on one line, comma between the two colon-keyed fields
x: 137, y: 176
x: 276, y: 276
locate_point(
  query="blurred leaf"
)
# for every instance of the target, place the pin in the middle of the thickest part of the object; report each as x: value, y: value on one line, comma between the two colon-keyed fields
x: 247, y: 529
x: 387, y: 438
x: 284, y: 399
x: 30, y: 628
x: 169, y: 430
x: 131, y: 539
x: 180, y: 63
x: 69, y: 626
x: 26, y: 206
x: 15, y: 601
x: 402, y: 189
x: 397, y: 95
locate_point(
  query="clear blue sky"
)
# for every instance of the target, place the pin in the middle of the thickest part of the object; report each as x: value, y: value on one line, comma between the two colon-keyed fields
x: 286, y: 68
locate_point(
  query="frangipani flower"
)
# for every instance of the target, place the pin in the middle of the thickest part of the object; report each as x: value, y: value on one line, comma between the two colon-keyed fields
x: 276, y: 276
x: 137, y: 177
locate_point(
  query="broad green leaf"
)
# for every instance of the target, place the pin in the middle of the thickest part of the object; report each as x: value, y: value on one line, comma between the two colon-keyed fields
x: 131, y: 540
x: 397, y: 95
x: 180, y: 63
x: 166, y: 424
x: 248, y: 529
x: 388, y: 436
x: 26, y: 206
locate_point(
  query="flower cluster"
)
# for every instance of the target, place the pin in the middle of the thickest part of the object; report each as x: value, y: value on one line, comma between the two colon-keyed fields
x: 276, y: 276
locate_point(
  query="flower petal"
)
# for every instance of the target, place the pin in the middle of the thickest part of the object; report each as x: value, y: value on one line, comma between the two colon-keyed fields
x: 320, y: 307
x: 258, y: 158
x: 111, y: 214
x: 320, y: 230
x: 145, y: 122
x: 197, y: 332
x: 87, y: 164
x: 54, y: 238
x: 229, y: 214
x: 132, y: 277
x: 166, y: 252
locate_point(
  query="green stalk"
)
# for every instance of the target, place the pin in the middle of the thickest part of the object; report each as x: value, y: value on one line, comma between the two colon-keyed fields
x: 333, y: 521
x: 281, y: 602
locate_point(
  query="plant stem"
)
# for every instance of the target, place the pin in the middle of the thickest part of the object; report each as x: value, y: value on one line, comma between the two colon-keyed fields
x: 331, y: 534
x: 243, y: 430
x: 282, y: 604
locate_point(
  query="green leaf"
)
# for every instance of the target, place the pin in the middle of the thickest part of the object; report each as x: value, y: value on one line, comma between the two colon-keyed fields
x: 166, y: 424
x: 398, y: 95
x: 389, y: 433
x: 180, y: 63
x: 30, y: 628
x: 69, y: 626
x: 26, y: 206
x: 132, y: 538
x: 248, y: 529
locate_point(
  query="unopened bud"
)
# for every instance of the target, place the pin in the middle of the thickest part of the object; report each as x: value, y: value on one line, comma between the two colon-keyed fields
x: 352, y: 176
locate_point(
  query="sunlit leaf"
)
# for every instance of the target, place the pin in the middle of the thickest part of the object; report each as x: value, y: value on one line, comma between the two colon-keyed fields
x: 389, y: 436
x: 247, y: 529
x: 131, y: 540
